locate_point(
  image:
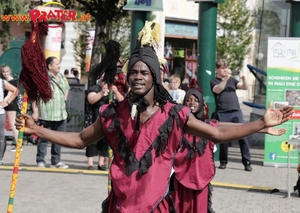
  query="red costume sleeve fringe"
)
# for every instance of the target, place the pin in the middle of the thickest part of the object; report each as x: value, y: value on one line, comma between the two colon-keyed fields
x: 34, y: 75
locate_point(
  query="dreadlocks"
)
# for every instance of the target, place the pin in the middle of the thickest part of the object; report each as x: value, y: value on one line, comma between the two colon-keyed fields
x: 162, y: 96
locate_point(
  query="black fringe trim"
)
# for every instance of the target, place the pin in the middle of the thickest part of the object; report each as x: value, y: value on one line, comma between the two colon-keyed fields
x: 210, y: 189
x: 105, y: 206
x: 159, y: 144
x: 194, y: 146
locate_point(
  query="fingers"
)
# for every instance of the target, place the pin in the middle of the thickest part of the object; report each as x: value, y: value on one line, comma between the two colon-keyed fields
x: 25, y: 115
x: 270, y: 107
x: 281, y: 131
x: 21, y: 117
x: 285, y: 120
x: 288, y: 112
x: 287, y: 109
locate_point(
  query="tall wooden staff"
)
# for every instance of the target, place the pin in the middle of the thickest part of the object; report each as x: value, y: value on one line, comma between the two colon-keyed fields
x: 34, y: 79
x: 110, y: 151
x: 17, y: 159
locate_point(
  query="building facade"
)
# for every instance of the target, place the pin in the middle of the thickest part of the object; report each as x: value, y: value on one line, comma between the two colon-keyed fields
x: 179, y: 22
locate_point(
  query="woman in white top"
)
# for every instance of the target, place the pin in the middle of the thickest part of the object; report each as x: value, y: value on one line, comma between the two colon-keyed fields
x: 12, y: 108
x: 4, y: 102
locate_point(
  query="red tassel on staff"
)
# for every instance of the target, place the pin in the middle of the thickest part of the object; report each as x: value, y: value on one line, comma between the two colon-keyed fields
x: 34, y: 75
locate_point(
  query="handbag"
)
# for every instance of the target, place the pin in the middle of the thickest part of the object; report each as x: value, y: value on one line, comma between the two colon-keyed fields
x: 68, y: 117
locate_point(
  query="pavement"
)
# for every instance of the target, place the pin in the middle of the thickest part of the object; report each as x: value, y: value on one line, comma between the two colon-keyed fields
x: 77, y: 190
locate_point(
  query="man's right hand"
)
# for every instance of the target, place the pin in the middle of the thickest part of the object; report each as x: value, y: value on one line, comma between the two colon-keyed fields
x: 25, y: 120
x: 229, y: 73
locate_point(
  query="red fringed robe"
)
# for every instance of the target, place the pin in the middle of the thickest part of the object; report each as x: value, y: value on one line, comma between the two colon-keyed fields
x: 193, y: 175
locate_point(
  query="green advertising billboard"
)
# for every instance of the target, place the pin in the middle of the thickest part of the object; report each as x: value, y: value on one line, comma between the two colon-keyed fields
x: 283, y: 87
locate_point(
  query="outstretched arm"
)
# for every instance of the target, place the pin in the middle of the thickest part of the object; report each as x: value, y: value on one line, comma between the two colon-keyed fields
x: 77, y: 140
x: 225, y: 133
x: 268, y: 130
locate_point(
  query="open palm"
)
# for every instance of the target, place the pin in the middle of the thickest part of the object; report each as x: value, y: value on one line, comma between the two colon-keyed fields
x: 276, y: 117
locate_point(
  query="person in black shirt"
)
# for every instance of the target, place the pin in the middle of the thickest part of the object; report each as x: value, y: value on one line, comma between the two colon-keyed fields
x: 228, y: 109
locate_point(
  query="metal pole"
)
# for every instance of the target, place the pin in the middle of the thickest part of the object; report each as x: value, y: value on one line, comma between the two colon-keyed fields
x: 138, y: 19
x: 295, y: 20
x: 289, y: 168
x: 207, y: 53
x: 294, y: 32
x: 207, y: 49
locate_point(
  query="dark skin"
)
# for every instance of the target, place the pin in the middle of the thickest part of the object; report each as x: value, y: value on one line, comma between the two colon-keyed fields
x: 194, y: 105
x: 141, y: 75
x: 140, y: 81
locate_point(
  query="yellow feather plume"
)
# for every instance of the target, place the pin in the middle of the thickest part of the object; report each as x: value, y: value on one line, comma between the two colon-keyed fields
x: 150, y: 34
x: 162, y: 61
x: 125, y: 67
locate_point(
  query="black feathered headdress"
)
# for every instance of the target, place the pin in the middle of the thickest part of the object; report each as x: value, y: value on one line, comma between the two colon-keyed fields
x: 108, y: 65
x: 147, y: 41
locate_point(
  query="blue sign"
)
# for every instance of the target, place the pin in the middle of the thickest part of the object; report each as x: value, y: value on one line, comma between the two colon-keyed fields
x: 148, y: 2
x: 144, y: 5
x: 272, y: 156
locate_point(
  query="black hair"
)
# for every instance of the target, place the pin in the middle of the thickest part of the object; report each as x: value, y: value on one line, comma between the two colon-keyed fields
x: 49, y: 60
x: 75, y: 73
x: 162, y: 96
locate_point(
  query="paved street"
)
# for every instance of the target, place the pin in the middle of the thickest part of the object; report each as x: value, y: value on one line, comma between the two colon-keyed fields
x: 77, y: 190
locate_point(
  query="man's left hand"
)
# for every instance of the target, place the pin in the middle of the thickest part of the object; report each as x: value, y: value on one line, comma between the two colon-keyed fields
x: 276, y: 117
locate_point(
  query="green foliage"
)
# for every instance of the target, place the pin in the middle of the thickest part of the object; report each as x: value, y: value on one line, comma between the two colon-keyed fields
x: 103, y: 13
x: 81, y: 45
x: 235, y: 32
x: 9, y: 8
x: 120, y: 31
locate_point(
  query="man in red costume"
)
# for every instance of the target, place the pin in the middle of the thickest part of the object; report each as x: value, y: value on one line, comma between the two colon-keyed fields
x: 144, y: 132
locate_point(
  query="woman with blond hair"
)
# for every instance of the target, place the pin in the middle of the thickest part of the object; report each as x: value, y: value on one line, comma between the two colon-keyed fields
x: 12, y: 108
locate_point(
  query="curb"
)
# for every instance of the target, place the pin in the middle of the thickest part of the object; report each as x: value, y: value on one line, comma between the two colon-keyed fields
x: 54, y: 170
x: 245, y: 187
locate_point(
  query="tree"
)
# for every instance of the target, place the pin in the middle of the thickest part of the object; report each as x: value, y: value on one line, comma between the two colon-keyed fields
x: 80, y: 46
x: 267, y: 19
x: 235, y: 32
x: 102, y: 12
x: 267, y: 24
x: 10, y: 8
x: 120, y: 31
